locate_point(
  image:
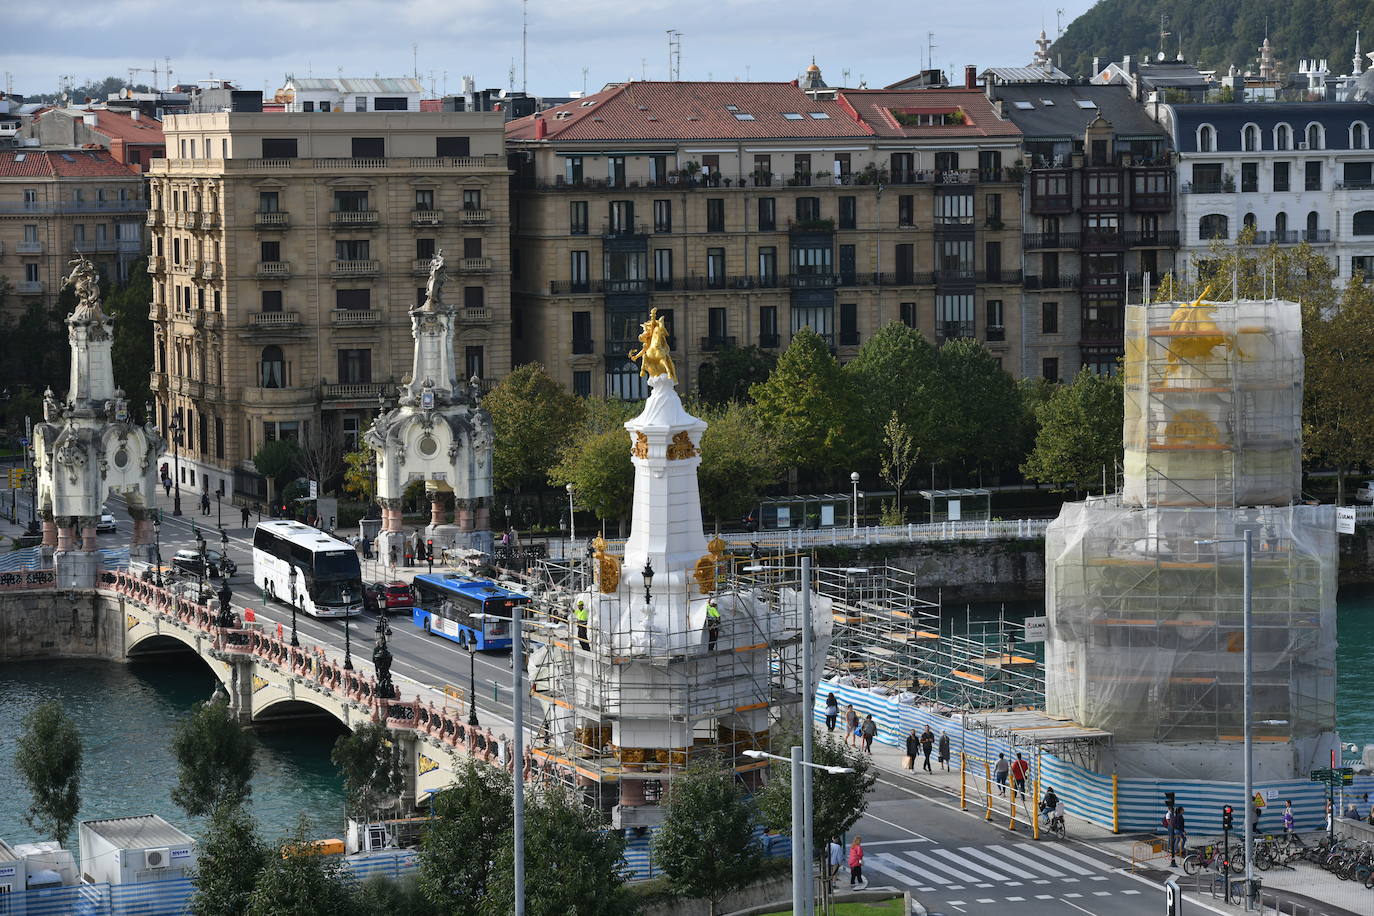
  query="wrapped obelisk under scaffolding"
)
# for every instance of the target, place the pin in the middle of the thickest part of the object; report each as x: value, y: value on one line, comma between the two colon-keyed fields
x: 652, y: 679
x: 1145, y: 590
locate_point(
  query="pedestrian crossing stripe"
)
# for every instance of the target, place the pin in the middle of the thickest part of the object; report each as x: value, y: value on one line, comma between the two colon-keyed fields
x: 932, y: 869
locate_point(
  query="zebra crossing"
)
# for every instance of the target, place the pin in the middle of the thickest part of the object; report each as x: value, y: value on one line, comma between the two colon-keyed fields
x: 1025, y: 868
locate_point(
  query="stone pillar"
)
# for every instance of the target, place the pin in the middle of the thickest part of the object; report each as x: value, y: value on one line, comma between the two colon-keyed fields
x: 464, y: 514
x: 483, y: 516
x: 49, y: 529
x: 438, y: 512
x: 391, y: 513
x: 88, y: 542
x: 66, y: 532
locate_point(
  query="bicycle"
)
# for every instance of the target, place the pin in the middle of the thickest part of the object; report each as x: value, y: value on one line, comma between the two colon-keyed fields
x: 1055, y: 824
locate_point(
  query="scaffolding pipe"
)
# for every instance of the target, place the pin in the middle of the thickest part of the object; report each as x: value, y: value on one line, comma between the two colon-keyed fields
x: 808, y: 725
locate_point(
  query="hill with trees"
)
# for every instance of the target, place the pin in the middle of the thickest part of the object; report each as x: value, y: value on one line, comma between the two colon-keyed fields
x: 1218, y: 33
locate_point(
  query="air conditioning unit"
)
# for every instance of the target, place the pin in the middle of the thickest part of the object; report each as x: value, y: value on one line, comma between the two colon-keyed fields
x: 1302, y: 145
x: 156, y: 858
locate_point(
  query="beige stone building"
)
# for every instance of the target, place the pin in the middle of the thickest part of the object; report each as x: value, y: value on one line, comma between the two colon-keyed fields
x: 54, y: 202
x: 287, y: 251
x: 744, y: 211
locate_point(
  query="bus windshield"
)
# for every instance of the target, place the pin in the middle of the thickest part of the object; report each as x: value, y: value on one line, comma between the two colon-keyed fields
x: 330, y: 591
x: 337, y: 564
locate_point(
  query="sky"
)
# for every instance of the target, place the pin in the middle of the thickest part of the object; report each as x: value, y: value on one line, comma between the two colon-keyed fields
x: 256, y: 43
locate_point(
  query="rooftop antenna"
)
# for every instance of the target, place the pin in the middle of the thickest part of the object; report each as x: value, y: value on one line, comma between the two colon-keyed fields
x: 510, y: 76
x: 524, y: 46
x: 1059, y: 23
x: 674, y: 55
x: 643, y: 69
x: 1163, y: 32
x: 584, y: 80
x: 930, y: 49
x: 415, y: 59
x: 844, y: 74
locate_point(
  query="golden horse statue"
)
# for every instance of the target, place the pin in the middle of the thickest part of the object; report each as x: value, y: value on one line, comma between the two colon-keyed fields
x: 653, y: 349
x: 1196, y: 334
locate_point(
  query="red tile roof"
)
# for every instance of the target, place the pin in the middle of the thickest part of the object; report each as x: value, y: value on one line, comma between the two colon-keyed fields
x: 431, y: 104
x: 77, y: 163
x: 692, y: 111
x: 120, y: 126
x: 875, y: 108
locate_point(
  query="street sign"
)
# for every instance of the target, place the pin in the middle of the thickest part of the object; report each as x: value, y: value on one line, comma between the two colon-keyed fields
x: 1173, y: 899
x: 1037, y: 628
x: 314, y: 489
x: 1345, y: 520
x: 1334, y: 776
x: 23, y: 441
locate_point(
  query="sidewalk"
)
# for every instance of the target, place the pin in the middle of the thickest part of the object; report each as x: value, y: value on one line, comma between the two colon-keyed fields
x: 1303, y: 884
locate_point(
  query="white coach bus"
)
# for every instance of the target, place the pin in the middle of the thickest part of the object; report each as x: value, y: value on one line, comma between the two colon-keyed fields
x: 326, y: 569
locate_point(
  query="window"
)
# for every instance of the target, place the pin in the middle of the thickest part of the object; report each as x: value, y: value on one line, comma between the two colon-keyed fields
x: 768, y: 266
x: 1049, y: 318
x: 353, y: 299
x: 624, y: 271
x: 955, y: 257
x: 451, y: 147
x: 849, y: 207
x: 954, y: 209
x: 763, y: 170
x: 904, y: 262
x: 369, y: 148
x: 272, y: 368
x: 472, y: 198
x: 801, y: 169
x: 389, y: 103
x: 472, y: 247
x: 1283, y: 137
x: 768, y: 214
x: 271, y: 300
x: 1364, y: 222
x: 269, y: 202
x: 819, y: 318
x: 848, y: 265
x: 663, y: 216
x: 1249, y: 176
x: 269, y: 251
x: 1248, y: 221
x: 1316, y: 136
x: 355, y: 367
x: 572, y: 169
x: 808, y: 208
x: 1206, y: 139
x: 621, y: 215
x: 954, y: 316
x: 424, y: 249
x: 577, y: 217
x: 995, y: 329
x: 1281, y: 180
x: 219, y: 437
x: 307, y: 105
x: 849, y: 324
x: 902, y: 166
x: 615, y: 171
x: 1049, y: 368
x: 577, y: 273
x: 663, y: 268
x: 474, y: 299
x: 1363, y: 265
x: 1213, y: 226
x: 350, y: 201
x: 1250, y: 138
x: 1312, y: 176
x: 946, y: 161
x: 717, y: 326
x: 993, y: 204
x: 658, y: 169
x: 475, y: 362
x: 906, y: 210
x: 582, y: 383
x: 811, y: 260
x: 582, y: 332
x: 1358, y: 174
x: 1313, y: 226
x: 992, y: 261
x: 715, y: 268
x: 907, y: 312
x: 1359, y: 135
x: 79, y: 234
x: 715, y: 214
x: 1280, y: 224
x: 30, y: 273
x: 352, y: 249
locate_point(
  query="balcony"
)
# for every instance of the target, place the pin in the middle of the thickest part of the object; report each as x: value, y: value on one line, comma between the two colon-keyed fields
x: 1100, y: 332
x: 1102, y: 238
x: 473, y: 217
x: 1316, y: 236
x: 29, y: 287
x: 208, y: 221
x: 947, y: 277
x: 420, y: 266
x: 1226, y: 185
x: 271, y: 219
x: 1278, y: 237
x: 623, y: 287
x: 154, y: 218
x: 713, y: 343
x: 274, y: 270
x: 87, y: 246
x: 155, y: 264
x: 1162, y: 238
x: 474, y: 265
x: 810, y: 225
x: 343, y: 318
x: 769, y: 341
x: 996, y: 334
x: 1045, y: 240
x: 352, y: 219
x: 209, y: 320
x: 610, y: 231
x: 1355, y: 184
x: 28, y: 247
x: 157, y: 311
x: 811, y: 281
x: 274, y: 319
x: 209, y: 270
x: 426, y: 217
x: 353, y: 391
x: 475, y: 315
x: 157, y: 381
x: 1057, y: 281
x: 953, y: 330
x: 354, y: 268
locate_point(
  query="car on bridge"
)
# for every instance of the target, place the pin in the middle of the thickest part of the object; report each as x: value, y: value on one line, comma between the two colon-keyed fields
x: 390, y: 597
x: 216, y: 562
x: 107, y: 521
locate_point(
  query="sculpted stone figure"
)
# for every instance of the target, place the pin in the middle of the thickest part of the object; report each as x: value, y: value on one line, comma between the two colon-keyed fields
x: 653, y: 353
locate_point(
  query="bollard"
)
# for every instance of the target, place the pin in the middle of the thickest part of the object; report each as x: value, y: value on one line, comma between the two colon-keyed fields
x: 1116, y: 807
x: 963, y: 786
x: 987, y: 772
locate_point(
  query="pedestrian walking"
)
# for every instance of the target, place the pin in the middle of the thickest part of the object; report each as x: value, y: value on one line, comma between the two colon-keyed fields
x: 856, y: 862
x: 832, y: 712
x: 1020, y: 769
x: 1180, y: 832
x: 927, y: 744
x: 391, y: 554
x: 944, y: 751
x: 851, y: 726
x: 1288, y: 818
x: 869, y: 731
x: 999, y: 773
x: 245, y: 514
x: 205, y: 504
x: 835, y: 861
x: 167, y: 485
x: 913, y: 747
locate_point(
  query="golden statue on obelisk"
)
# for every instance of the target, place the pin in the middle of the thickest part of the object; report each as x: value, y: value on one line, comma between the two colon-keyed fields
x: 653, y: 350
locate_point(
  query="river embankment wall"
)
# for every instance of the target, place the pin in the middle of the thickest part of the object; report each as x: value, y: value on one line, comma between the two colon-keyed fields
x: 50, y: 623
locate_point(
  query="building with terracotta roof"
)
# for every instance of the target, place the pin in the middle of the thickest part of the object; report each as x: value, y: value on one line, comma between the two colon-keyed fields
x: 132, y: 137
x: 743, y: 211
x: 57, y: 202
x: 288, y: 248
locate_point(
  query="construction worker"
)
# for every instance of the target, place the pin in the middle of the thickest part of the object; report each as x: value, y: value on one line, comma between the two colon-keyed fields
x: 712, y: 624
x: 580, y: 615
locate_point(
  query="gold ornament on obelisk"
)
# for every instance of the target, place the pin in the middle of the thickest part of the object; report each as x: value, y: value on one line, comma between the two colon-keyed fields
x: 707, y: 569
x: 641, y: 447
x: 682, y: 447
x: 653, y: 349
x: 607, y: 567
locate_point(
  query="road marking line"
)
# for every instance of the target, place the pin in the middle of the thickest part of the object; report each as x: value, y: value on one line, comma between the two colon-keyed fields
x: 1005, y: 866
x: 986, y: 872
x: 1102, y: 893
x: 1032, y: 850
x: 1036, y: 864
x: 1074, y: 896
x: 1016, y: 900
x: 900, y: 827
x: 1130, y: 891
x: 1044, y: 896
x: 897, y: 842
x: 985, y: 900
x: 930, y: 877
x: 1077, y: 907
x: 1061, y: 849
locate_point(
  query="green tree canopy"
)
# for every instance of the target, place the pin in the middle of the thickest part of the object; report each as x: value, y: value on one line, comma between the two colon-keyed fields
x: 277, y: 458
x: 706, y: 845
x: 896, y: 372
x: 215, y: 761
x: 230, y: 857
x: 980, y: 417
x: 737, y: 462
x: 370, y: 763
x: 806, y: 406
x: 729, y: 374
x: 132, y: 348
x: 471, y: 819
x: 1080, y: 433
x: 49, y: 759
x: 533, y: 417
x: 837, y: 801
x: 596, y: 461
x: 300, y: 882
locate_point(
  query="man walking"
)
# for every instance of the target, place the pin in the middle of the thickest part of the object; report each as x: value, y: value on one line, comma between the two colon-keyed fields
x: 869, y: 732
x: 245, y: 514
x: 999, y: 773
x: 851, y: 725
x: 1020, y: 769
x: 205, y: 503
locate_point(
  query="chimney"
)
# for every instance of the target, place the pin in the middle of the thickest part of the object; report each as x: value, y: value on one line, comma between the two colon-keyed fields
x: 1127, y: 65
x: 135, y: 114
x: 1097, y: 65
x: 970, y: 77
x: 541, y: 128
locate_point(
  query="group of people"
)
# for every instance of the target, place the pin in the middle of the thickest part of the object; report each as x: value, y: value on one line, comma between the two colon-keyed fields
x: 922, y: 745
x: 855, y: 731
x: 1018, y: 770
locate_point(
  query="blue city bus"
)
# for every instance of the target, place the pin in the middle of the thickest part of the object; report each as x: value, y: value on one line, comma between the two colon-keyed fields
x: 446, y: 602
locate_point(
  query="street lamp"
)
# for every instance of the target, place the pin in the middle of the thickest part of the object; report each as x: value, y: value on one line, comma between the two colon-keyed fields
x: 219, y: 517
x: 472, y: 682
x: 381, y: 658
x: 648, y: 574
x: 572, y: 522
x: 854, y: 516
x: 175, y: 427
x: 346, y: 595
x: 226, y: 617
x: 157, y: 543
x: 224, y: 551
x: 294, y: 640
x: 802, y: 899
x: 1247, y: 615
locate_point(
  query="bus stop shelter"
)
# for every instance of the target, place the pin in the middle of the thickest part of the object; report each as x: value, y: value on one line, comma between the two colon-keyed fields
x: 963, y: 504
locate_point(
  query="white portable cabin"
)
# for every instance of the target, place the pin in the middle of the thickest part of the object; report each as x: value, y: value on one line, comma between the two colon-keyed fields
x: 12, y: 874
x: 45, y: 864
x: 134, y: 850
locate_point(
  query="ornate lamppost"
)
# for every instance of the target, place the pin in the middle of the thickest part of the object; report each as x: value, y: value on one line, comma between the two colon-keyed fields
x: 381, y: 659
x: 175, y: 427
x: 295, y: 642
x: 348, y: 646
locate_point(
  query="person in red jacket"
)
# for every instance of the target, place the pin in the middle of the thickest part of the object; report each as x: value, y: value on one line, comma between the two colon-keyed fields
x: 1020, y: 769
x: 856, y: 862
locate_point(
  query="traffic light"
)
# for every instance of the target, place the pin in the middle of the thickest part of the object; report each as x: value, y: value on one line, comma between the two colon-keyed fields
x: 1226, y: 817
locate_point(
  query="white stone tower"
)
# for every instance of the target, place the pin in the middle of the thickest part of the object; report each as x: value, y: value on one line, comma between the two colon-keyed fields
x: 438, y: 433
x: 87, y: 447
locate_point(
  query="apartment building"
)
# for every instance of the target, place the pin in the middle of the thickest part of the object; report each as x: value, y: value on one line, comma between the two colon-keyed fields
x: 288, y: 249
x: 131, y: 136
x: 1099, y: 215
x: 744, y: 211
x: 1294, y: 172
x: 54, y: 202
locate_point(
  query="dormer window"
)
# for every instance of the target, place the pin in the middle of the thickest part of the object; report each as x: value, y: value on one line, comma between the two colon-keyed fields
x: 1207, y: 139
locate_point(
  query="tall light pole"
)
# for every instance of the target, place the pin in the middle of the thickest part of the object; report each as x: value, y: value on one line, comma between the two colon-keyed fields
x: 854, y: 515
x: 295, y: 642
x: 572, y: 523
x: 346, y: 595
x: 175, y: 427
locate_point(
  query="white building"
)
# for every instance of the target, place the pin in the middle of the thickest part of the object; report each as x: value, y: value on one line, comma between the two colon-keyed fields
x: 1298, y: 172
x: 351, y: 94
x: 135, y: 850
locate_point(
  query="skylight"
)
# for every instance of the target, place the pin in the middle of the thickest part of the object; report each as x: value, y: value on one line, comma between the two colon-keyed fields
x: 732, y: 108
x: 819, y: 115
x: 1048, y: 103
x: 743, y: 116
x: 1085, y: 103
x: 1023, y: 105
x: 792, y: 116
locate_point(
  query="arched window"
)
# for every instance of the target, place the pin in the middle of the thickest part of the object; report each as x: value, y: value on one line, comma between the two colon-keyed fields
x: 1280, y: 223
x: 1283, y: 137
x: 1248, y: 222
x: 1213, y: 226
x: 1206, y: 139
x: 1313, y: 221
x: 1359, y: 135
x: 272, y: 370
x: 1250, y: 138
x: 1364, y: 222
x: 1315, y: 136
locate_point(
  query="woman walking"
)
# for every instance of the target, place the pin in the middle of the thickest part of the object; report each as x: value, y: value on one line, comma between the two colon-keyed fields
x: 869, y: 731
x: 913, y: 747
x: 832, y: 712
x: 944, y: 751
x: 851, y: 725
x: 927, y: 743
x: 856, y: 862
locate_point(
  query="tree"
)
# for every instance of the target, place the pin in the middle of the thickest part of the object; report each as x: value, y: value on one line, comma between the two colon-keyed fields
x: 979, y: 409
x: 533, y: 417
x: 1080, y: 433
x: 596, y: 461
x: 276, y: 459
x: 838, y: 801
x: 806, y: 406
x: 471, y: 819
x: 731, y: 372
x: 360, y: 480
x: 738, y: 461
x: 370, y: 763
x: 897, y: 460
x: 231, y: 856
x: 300, y: 882
x: 49, y: 759
x: 895, y: 372
x: 215, y: 761
x: 33, y: 345
x: 132, y: 348
x: 320, y: 454
x: 383, y: 896
x: 706, y: 845
x: 572, y: 862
